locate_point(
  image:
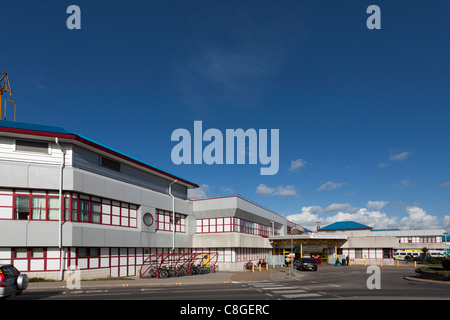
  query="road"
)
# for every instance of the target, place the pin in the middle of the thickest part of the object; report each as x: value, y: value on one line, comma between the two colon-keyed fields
x: 344, y: 283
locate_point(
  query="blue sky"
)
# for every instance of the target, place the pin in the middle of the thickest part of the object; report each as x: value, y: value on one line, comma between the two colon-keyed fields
x: 363, y: 114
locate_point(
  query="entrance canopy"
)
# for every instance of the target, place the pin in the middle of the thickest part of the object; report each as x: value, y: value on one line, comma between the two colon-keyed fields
x: 322, y: 245
x: 308, y: 239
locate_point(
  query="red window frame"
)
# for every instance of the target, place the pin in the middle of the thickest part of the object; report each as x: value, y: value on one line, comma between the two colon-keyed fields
x: 235, y: 225
x: 30, y: 195
x: 29, y: 258
x: 164, y: 221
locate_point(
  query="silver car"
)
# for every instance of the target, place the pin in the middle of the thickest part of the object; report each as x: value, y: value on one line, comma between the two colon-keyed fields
x: 11, y: 281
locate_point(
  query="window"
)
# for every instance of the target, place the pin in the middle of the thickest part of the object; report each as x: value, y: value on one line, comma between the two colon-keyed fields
x: 82, y: 252
x: 165, y: 221
x: 110, y: 164
x: 93, y: 252
x: 39, y: 206
x: 37, y: 252
x: 44, y: 206
x: 232, y: 224
x: 67, y: 208
x: 53, y: 208
x: 22, y: 207
x: 20, y: 253
x: 358, y: 253
x: 32, y: 146
x: 74, y: 209
x: 36, y: 207
x: 96, y: 212
x: 148, y: 219
x: 84, y: 211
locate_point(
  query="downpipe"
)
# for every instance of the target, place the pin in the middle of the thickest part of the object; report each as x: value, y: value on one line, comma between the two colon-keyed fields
x: 61, y: 252
x: 173, y: 215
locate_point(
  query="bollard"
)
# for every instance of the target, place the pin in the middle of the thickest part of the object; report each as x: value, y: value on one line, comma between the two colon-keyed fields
x: 267, y: 266
x: 415, y: 264
x: 273, y: 265
x: 398, y: 264
x: 259, y: 267
x: 253, y: 268
x: 381, y: 263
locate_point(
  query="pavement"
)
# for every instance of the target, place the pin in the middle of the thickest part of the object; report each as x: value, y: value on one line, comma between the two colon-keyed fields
x: 212, y: 278
x: 220, y: 277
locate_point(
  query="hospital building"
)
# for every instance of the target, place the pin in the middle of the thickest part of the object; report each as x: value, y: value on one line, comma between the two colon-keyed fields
x: 67, y: 200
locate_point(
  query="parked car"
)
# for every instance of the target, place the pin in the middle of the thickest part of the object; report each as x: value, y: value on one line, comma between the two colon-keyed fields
x: 11, y: 281
x: 305, y: 264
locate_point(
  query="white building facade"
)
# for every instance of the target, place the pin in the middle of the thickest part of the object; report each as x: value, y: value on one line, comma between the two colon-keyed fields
x: 66, y: 200
x: 115, y: 210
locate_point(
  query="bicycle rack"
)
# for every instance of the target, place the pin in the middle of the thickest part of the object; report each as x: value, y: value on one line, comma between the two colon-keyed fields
x: 161, y: 265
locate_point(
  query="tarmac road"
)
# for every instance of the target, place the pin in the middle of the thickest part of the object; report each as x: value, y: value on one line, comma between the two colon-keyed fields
x: 328, y: 283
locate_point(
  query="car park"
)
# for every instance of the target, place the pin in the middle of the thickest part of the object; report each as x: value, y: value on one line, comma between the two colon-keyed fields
x: 12, y: 282
x: 305, y: 264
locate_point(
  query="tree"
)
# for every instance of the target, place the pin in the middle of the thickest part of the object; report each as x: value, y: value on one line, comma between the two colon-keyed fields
x: 424, y: 253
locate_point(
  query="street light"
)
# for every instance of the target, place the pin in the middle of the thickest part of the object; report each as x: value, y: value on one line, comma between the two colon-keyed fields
x: 445, y: 238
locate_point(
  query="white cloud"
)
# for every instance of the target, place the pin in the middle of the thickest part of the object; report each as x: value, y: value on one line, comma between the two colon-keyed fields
x: 329, y: 186
x: 296, y: 164
x: 376, y: 204
x: 340, y: 207
x: 198, y: 193
x: 419, y: 219
x: 446, y: 223
x: 402, y: 184
x: 286, y: 191
x: 383, y: 164
x: 396, y: 155
x: 400, y: 156
x: 372, y: 218
x: 264, y: 190
x: 444, y: 185
x: 307, y: 218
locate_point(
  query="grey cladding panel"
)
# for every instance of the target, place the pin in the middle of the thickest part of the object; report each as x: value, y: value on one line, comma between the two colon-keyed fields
x: 90, y: 161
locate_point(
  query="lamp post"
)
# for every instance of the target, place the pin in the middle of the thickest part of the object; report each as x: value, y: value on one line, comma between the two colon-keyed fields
x: 445, y: 238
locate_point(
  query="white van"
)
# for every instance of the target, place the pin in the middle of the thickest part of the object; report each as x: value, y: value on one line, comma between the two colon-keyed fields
x: 401, y: 254
x: 436, y: 253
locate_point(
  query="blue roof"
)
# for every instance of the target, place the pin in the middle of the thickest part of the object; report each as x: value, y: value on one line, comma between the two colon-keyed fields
x: 34, y: 127
x: 345, y: 225
x: 60, y: 130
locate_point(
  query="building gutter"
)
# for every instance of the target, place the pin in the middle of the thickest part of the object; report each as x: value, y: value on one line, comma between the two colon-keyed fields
x: 61, y: 267
x: 173, y: 214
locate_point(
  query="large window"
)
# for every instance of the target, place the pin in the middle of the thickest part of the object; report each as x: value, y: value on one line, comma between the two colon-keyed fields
x: 420, y: 239
x: 32, y: 146
x: 83, y: 208
x: 232, y: 224
x: 110, y: 164
x: 40, y: 206
x: 165, y: 221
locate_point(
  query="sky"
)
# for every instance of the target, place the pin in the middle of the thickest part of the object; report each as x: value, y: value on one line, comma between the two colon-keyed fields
x: 363, y: 114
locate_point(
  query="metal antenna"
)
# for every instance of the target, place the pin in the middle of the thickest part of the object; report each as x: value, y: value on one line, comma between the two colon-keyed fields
x: 5, y: 86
